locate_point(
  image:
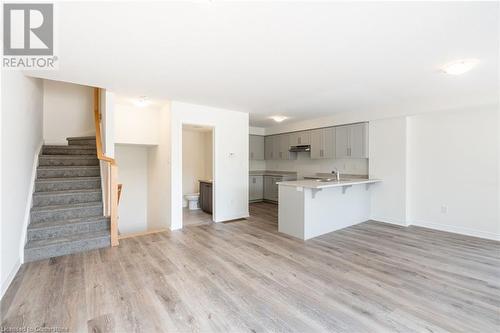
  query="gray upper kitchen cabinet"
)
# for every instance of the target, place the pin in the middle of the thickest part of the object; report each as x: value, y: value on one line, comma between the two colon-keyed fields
x: 359, y: 141
x: 300, y: 138
x: 351, y: 141
x: 256, y: 188
x: 256, y: 147
x: 284, y: 147
x: 323, y: 143
x: 269, y: 147
x: 277, y: 147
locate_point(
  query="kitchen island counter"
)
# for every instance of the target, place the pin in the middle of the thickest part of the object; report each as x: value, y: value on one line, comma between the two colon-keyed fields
x: 311, y: 208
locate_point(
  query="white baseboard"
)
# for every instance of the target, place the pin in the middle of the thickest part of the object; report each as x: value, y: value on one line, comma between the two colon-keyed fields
x: 232, y: 217
x: 389, y: 220
x: 29, y: 202
x: 10, y: 277
x: 457, y: 230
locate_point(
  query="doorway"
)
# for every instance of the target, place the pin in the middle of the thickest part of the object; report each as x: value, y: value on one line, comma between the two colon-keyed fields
x: 197, y: 175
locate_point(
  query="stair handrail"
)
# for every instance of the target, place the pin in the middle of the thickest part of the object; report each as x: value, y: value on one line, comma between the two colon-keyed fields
x: 113, y: 188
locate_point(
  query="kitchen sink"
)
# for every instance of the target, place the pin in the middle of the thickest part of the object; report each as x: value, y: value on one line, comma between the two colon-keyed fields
x: 326, y: 180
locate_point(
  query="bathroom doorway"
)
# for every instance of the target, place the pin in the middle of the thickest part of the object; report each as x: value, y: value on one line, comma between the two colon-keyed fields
x: 197, y: 174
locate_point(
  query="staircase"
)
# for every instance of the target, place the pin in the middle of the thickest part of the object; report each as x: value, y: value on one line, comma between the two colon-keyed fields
x: 67, y: 213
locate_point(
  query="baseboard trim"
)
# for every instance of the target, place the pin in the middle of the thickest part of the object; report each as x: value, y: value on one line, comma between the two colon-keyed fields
x: 457, y: 230
x: 235, y: 217
x: 9, y: 279
x: 29, y: 202
x: 141, y: 233
x: 389, y: 220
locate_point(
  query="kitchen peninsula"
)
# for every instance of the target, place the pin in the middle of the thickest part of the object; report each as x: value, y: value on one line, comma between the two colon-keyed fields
x: 310, y: 208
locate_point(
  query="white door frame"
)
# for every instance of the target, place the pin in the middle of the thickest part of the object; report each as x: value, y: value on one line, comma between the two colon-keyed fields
x: 214, y: 165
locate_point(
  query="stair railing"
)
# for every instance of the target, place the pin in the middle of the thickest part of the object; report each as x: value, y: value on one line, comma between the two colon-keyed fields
x: 112, y: 186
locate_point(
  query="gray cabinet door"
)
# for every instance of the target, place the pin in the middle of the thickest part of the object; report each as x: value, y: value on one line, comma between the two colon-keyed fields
x: 284, y: 147
x: 256, y: 147
x: 358, y: 141
x: 351, y: 141
x: 328, y: 143
x: 275, y: 191
x: 323, y: 143
x: 269, y: 147
x: 271, y: 188
x: 300, y: 138
x: 317, y: 147
x: 256, y: 188
x: 268, y: 187
x: 342, y: 141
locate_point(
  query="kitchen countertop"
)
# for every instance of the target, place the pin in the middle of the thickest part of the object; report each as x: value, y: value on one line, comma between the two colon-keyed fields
x: 272, y: 173
x: 210, y: 181
x: 318, y: 185
x: 330, y: 175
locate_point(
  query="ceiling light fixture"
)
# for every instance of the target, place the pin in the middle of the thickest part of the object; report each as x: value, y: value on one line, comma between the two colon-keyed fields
x: 460, y: 66
x: 278, y: 119
x: 142, y: 102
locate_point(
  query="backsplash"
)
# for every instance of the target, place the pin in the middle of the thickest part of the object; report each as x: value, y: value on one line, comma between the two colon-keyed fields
x: 305, y: 166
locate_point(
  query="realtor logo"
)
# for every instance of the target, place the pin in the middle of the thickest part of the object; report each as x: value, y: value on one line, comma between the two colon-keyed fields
x: 28, y: 36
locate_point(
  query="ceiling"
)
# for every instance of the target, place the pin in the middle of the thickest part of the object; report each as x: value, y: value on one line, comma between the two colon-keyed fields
x: 299, y: 59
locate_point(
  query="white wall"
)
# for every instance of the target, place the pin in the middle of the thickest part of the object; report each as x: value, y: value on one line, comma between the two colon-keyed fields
x: 196, y: 162
x: 159, y: 183
x: 388, y: 155
x: 257, y: 130
x: 68, y: 104
x: 305, y: 166
x: 22, y: 136
x: 135, y: 125
x: 133, y: 174
x: 230, y: 159
x: 453, y: 171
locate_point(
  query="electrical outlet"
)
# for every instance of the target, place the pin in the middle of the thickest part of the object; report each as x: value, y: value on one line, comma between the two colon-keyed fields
x: 444, y: 209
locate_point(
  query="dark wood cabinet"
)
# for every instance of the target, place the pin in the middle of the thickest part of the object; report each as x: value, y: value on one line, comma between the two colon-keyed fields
x: 206, y: 196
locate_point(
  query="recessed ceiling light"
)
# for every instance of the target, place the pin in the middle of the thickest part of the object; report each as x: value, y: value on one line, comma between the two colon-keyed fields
x: 142, y: 101
x: 460, y: 66
x: 278, y: 119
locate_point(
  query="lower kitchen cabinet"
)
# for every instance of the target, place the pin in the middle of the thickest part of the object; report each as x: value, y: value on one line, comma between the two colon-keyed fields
x: 256, y: 188
x: 263, y: 187
x: 271, y: 188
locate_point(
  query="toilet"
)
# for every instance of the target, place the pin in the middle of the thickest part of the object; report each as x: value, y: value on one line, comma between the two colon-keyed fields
x: 192, y: 200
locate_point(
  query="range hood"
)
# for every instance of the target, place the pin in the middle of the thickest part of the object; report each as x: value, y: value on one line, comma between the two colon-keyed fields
x: 301, y: 148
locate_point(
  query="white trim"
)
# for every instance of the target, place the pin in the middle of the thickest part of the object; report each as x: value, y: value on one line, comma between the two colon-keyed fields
x: 233, y: 217
x: 458, y: 230
x: 9, y: 279
x: 29, y: 202
x: 389, y: 220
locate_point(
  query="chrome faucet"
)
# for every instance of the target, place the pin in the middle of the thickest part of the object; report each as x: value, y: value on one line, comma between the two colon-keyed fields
x: 335, y: 171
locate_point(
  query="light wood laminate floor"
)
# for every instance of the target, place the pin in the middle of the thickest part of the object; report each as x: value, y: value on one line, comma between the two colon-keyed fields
x: 195, y: 217
x: 246, y: 277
